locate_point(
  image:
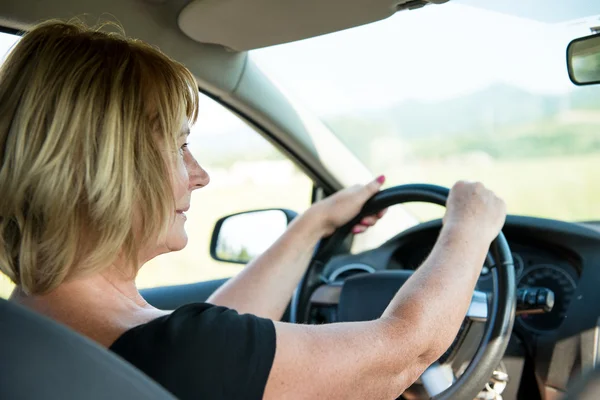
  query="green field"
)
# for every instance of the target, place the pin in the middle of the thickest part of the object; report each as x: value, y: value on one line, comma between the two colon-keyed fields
x: 565, y: 188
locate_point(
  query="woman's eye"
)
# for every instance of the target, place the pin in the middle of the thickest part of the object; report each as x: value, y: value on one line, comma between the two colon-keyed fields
x: 182, y: 148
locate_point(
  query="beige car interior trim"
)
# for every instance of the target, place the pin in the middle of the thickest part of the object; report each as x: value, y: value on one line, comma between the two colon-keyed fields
x: 155, y: 23
x: 312, y: 140
x: 262, y: 23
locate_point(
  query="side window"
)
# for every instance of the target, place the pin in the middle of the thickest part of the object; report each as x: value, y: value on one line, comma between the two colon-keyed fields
x: 7, y: 41
x: 247, y: 173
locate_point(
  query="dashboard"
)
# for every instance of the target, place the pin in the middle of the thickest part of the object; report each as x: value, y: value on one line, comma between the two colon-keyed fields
x: 535, y: 267
x: 559, y: 256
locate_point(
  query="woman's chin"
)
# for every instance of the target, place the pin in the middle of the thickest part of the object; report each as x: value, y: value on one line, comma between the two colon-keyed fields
x: 176, y: 243
x: 177, y: 238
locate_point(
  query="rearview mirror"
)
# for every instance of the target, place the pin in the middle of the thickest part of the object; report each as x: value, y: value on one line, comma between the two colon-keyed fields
x: 583, y: 60
x: 239, y: 238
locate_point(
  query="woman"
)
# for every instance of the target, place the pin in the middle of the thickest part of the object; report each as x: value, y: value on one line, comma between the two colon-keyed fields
x: 96, y: 178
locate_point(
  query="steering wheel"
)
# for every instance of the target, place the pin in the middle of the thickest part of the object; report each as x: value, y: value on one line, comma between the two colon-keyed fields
x: 365, y: 296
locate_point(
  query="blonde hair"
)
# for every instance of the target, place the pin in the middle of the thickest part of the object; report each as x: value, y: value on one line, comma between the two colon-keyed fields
x: 86, y: 118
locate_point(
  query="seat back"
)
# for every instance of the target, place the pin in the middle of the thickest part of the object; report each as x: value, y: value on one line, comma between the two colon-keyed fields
x: 40, y: 359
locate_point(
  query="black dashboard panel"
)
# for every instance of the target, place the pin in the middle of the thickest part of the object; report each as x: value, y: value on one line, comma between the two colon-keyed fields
x: 536, y: 265
x: 547, y: 253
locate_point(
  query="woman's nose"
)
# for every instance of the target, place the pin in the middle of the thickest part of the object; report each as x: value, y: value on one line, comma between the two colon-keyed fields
x: 198, y: 176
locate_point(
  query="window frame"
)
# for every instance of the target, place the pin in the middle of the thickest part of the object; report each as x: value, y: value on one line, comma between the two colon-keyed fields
x: 321, y: 188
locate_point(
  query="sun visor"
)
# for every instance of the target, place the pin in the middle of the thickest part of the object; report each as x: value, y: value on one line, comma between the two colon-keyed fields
x: 250, y: 24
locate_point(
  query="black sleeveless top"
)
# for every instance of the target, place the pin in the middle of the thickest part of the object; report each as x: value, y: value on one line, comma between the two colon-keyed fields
x: 202, y: 351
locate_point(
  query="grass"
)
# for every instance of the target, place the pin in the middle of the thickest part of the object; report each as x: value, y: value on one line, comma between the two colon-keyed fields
x: 565, y: 187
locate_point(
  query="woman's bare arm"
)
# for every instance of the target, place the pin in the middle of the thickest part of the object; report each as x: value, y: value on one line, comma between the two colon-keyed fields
x: 265, y: 286
x: 379, y: 359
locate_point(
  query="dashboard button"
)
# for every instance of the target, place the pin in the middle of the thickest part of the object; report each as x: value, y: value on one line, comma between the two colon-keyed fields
x: 531, y: 299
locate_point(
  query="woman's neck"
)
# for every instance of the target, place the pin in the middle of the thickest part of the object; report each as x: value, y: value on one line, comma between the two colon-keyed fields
x: 102, y: 306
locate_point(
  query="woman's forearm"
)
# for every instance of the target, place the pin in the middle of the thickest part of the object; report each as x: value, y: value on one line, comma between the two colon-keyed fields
x: 265, y: 286
x: 381, y: 358
x: 441, y: 289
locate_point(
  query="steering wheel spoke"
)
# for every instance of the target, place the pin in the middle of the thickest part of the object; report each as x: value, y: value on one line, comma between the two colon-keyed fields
x: 478, y: 309
x: 437, y: 378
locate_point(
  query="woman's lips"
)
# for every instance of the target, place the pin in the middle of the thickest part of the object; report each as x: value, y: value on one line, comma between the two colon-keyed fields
x: 182, y: 211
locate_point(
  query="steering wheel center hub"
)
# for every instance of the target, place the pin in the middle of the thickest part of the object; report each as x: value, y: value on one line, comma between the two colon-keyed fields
x: 364, y: 297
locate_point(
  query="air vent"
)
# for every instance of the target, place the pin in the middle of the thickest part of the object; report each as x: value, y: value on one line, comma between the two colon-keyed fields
x: 348, y: 270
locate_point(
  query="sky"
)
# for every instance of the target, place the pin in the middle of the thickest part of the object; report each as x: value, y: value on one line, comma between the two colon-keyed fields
x: 6, y: 42
x: 434, y: 53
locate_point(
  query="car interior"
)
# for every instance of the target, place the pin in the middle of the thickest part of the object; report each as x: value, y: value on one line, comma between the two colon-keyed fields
x: 533, y: 328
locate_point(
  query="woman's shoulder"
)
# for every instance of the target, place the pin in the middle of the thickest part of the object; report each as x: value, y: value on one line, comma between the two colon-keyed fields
x: 194, y: 321
x: 200, y: 348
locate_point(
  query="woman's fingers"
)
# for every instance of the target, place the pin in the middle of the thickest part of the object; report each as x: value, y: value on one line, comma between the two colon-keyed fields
x: 369, y: 221
x: 359, y: 229
x: 372, y: 219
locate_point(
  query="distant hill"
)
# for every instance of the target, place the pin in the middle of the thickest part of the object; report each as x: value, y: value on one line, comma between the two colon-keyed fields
x: 586, y: 98
x: 491, y: 112
x: 484, y: 116
x: 494, y: 107
x: 485, y: 110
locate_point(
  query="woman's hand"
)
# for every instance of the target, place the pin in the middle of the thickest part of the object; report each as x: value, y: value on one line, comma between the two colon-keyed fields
x: 473, y: 208
x: 266, y: 284
x: 339, y: 208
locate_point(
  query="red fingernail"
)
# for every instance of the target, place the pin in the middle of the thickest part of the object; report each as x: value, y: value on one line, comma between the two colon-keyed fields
x: 355, y: 230
x: 381, y: 179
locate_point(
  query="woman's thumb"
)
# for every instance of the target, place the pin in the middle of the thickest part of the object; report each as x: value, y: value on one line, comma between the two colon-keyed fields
x: 375, y: 185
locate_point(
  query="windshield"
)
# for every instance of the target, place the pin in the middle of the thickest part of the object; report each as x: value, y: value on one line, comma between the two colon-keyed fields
x: 454, y: 92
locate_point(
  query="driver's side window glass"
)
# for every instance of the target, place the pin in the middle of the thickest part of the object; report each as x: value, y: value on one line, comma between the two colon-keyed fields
x: 247, y: 173
x: 7, y: 41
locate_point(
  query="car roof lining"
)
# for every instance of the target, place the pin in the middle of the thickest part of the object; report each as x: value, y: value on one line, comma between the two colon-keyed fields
x: 216, y: 68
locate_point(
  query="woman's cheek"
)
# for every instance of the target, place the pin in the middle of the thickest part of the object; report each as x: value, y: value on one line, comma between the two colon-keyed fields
x: 182, y: 177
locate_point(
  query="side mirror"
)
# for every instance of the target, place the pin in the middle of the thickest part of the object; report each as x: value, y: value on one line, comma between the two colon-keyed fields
x: 583, y: 60
x: 238, y: 238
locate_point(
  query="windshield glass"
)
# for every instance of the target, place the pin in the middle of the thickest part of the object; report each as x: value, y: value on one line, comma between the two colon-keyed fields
x: 453, y: 92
